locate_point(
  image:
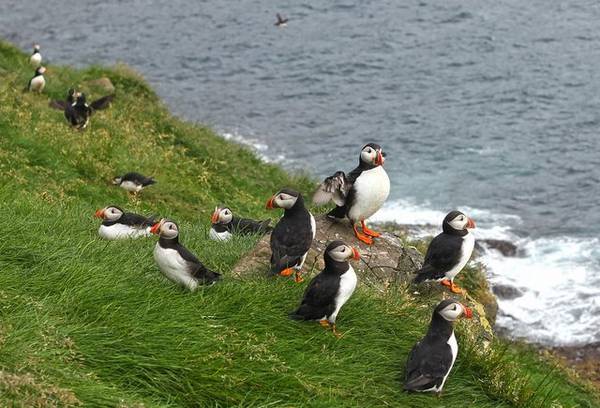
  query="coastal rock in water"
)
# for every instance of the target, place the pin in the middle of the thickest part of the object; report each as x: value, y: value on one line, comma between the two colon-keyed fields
x: 506, y: 292
x: 387, y: 261
x: 103, y: 83
x: 506, y: 248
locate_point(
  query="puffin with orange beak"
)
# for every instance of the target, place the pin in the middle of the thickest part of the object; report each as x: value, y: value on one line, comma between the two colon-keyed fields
x: 331, y: 288
x: 293, y: 235
x: 449, y: 252
x: 117, y: 224
x: 176, y: 262
x: 431, y: 359
x: 359, y: 194
x: 224, y: 225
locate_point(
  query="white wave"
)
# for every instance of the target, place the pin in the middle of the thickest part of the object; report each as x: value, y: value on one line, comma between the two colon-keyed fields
x: 561, y: 290
x: 261, y: 149
x: 557, y: 276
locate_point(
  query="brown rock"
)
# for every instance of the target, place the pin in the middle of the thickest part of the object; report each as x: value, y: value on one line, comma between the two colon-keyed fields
x: 387, y: 261
x: 103, y: 83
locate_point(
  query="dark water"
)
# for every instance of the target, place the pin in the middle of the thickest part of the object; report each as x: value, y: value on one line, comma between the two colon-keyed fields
x: 493, y: 107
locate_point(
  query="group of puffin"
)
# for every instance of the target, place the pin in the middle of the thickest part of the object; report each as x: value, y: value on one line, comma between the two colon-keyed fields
x: 75, y: 107
x: 357, y: 195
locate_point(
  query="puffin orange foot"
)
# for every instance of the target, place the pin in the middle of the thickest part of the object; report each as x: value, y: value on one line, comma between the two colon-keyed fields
x: 452, y: 286
x: 286, y: 272
x: 324, y: 323
x: 364, y: 238
x: 368, y: 231
x: 335, y: 332
x: 298, y: 278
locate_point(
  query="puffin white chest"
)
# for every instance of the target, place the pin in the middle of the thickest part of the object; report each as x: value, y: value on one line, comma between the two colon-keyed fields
x: 37, y: 83
x: 454, y: 349
x: 219, y: 236
x: 121, y: 231
x: 36, y: 59
x: 348, y: 282
x: 174, y: 267
x: 130, y: 185
x: 466, y: 250
x: 371, y: 189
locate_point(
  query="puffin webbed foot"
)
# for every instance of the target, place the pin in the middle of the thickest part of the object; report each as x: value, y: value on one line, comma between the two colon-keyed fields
x: 324, y: 323
x: 286, y: 272
x: 452, y: 286
x: 362, y: 237
x: 298, y: 277
x: 368, y: 231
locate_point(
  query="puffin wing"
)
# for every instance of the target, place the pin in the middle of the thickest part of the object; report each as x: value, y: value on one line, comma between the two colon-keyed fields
x: 197, y: 268
x: 443, y: 253
x: 248, y: 226
x: 319, y: 298
x: 287, y: 246
x: 102, y: 103
x: 58, y: 105
x: 427, y: 365
x: 136, y: 220
x: 334, y: 188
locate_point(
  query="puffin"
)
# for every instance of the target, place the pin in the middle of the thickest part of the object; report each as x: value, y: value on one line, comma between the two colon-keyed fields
x: 331, y: 288
x: 78, y: 114
x: 281, y: 22
x: 358, y: 194
x: 66, y: 105
x: 117, y: 224
x: 432, y: 358
x: 133, y: 182
x: 176, y: 262
x: 37, y: 82
x: 224, y: 225
x: 36, y: 58
x: 293, y: 234
x: 449, y: 252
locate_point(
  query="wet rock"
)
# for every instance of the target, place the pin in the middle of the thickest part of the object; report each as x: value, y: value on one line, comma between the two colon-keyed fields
x: 506, y: 292
x: 387, y: 261
x: 103, y: 83
x: 506, y: 248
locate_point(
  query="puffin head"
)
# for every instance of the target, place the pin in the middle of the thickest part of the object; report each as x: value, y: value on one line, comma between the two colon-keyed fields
x: 456, y: 221
x: 110, y: 213
x: 221, y: 215
x: 117, y: 180
x: 40, y: 70
x: 285, y: 198
x: 451, y: 310
x: 36, y: 47
x: 80, y: 98
x: 339, y: 251
x: 165, y: 229
x: 372, y: 154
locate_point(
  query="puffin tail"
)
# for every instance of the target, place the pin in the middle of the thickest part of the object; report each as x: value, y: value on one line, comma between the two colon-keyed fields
x: 149, y: 181
x: 423, y: 274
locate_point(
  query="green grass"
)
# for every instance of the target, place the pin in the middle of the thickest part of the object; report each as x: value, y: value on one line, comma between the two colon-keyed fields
x: 89, y: 322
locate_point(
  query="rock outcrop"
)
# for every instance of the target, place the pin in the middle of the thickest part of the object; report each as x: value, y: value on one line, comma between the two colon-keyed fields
x: 387, y: 261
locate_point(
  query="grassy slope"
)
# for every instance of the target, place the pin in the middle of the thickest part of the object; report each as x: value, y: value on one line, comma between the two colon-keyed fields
x: 92, y: 321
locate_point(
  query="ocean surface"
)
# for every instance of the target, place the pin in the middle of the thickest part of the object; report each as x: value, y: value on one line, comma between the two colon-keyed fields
x: 492, y: 107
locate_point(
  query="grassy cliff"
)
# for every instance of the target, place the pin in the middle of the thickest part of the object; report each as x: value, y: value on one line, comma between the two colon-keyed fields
x: 89, y: 322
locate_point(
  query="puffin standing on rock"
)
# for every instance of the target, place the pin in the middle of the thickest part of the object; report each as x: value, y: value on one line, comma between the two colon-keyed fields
x: 449, y: 252
x: 133, y: 182
x: 432, y: 358
x: 176, y: 262
x: 225, y: 225
x: 117, y: 224
x: 330, y: 289
x: 292, y: 236
x: 358, y: 194
x: 36, y: 58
